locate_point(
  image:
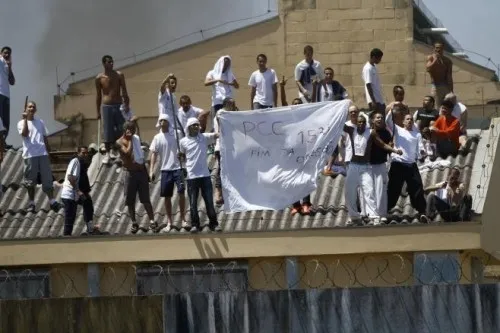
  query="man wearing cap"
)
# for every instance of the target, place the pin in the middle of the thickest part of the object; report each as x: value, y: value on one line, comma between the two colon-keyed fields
x: 164, y: 145
x: 193, y: 150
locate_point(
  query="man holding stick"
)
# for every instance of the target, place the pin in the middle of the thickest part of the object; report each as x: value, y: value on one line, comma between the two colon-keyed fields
x: 111, y: 94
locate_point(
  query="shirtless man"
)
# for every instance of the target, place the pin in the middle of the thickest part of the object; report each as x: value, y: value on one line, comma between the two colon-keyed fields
x: 111, y: 94
x: 440, y: 69
x: 135, y: 175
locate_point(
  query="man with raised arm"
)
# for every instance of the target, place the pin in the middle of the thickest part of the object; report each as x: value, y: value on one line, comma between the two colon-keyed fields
x: 135, y: 175
x: 440, y: 69
x: 36, y: 156
x: 164, y: 147
x: 111, y: 94
x: 167, y: 99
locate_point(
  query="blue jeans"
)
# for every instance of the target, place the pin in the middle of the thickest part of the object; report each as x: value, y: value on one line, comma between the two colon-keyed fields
x: 193, y: 187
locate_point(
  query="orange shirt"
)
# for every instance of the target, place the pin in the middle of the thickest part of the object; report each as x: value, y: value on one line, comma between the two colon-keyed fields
x: 448, y: 128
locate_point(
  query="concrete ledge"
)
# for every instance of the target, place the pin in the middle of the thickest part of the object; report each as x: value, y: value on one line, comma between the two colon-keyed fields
x: 109, y: 249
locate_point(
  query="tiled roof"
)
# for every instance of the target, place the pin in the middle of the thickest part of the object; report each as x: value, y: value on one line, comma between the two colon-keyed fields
x: 110, y: 212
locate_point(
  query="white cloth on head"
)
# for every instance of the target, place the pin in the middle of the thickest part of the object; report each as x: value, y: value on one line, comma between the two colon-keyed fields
x: 4, y: 78
x: 410, y: 142
x: 137, y: 149
x: 165, y: 105
x: 263, y: 83
x: 370, y: 75
x: 165, y: 145
x: 380, y: 179
x: 195, y: 148
x: 34, y: 143
x: 184, y: 116
x: 68, y: 192
x: 301, y: 71
x: 219, y: 90
x: 360, y: 176
x: 190, y: 122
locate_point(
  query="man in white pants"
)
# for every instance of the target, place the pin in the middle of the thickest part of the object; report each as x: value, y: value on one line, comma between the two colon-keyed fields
x: 359, y: 173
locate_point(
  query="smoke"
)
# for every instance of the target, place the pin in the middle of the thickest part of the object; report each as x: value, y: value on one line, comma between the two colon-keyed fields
x: 79, y: 33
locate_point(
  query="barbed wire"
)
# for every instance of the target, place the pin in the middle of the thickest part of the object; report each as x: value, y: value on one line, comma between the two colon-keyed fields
x: 400, y: 269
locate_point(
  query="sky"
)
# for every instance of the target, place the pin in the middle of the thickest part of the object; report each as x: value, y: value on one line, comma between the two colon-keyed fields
x: 68, y: 34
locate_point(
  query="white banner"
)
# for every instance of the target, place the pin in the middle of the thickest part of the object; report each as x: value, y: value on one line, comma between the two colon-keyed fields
x: 271, y: 158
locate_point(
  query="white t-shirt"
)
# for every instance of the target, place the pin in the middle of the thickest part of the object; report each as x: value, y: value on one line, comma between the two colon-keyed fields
x: 301, y: 66
x: 68, y: 192
x: 137, y: 149
x: 195, y: 149
x: 263, y: 82
x: 410, y: 142
x: 164, y: 104
x: 216, y: 130
x: 34, y: 143
x: 370, y: 75
x: 183, y: 116
x: 458, y: 109
x: 329, y: 90
x: 165, y: 145
x: 4, y: 78
x: 220, y: 91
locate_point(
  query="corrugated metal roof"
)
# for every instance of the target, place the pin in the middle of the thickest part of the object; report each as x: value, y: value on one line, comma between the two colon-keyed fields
x: 110, y: 212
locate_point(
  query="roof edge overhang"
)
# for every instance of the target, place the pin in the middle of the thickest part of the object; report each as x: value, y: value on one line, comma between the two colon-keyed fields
x: 311, y: 242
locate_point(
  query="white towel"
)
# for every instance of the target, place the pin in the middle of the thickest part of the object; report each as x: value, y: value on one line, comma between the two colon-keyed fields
x: 137, y: 149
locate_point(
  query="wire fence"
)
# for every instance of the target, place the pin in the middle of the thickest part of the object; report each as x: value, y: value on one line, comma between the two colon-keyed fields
x: 248, y: 275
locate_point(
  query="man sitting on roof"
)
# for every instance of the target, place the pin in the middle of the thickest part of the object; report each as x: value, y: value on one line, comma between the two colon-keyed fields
x: 449, y: 199
x: 459, y: 112
x: 447, y: 130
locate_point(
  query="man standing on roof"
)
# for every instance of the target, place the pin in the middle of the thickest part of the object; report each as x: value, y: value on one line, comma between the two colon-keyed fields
x: 76, y: 190
x: 166, y: 98
x: 188, y: 110
x: 306, y: 72
x: 135, y: 175
x: 440, y: 69
x: 373, y: 88
x: 164, y: 145
x: 36, y: 156
x: 193, y: 150
x: 7, y: 79
x: 222, y: 80
x: 264, y: 83
x: 111, y: 94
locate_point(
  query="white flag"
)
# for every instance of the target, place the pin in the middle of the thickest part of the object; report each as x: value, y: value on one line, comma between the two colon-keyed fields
x: 271, y: 158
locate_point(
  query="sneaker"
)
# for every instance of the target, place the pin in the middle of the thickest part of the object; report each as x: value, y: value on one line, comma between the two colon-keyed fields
x: 135, y: 228
x: 295, y: 210
x: 185, y: 225
x: 355, y: 221
x: 194, y: 229
x: 153, y: 226
x: 377, y: 221
x: 424, y: 219
x: 383, y: 220
x: 167, y: 229
x: 55, y: 206
x: 215, y: 228
x: 31, y: 208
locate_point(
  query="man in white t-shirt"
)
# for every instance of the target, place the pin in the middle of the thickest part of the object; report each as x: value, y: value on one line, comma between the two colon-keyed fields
x: 36, y: 156
x: 222, y: 81
x: 76, y: 190
x: 164, y: 146
x: 306, y: 72
x: 334, y: 90
x: 264, y: 83
x: 460, y: 112
x: 404, y: 167
x: 193, y: 150
x: 188, y: 110
x: 373, y: 87
x: 7, y: 79
x: 166, y: 97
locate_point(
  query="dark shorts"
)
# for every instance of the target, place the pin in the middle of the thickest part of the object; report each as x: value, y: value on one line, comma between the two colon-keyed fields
x: 136, y: 181
x: 168, y: 179
x: 113, y: 121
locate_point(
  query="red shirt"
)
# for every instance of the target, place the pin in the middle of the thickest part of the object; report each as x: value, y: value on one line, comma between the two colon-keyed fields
x: 448, y: 128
